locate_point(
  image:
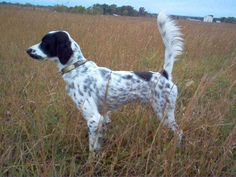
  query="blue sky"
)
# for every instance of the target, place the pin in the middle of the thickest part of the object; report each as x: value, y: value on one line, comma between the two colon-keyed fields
x: 218, y: 8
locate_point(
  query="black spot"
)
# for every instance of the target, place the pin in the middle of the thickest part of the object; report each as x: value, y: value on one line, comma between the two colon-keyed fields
x: 81, y: 93
x: 88, y: 87
x: 92, y: 122
x: 164, y: 74
x: 104, y: 73
x: 121, y: 89
x: 158, y: 95
x: 114, y: 97
x: 167, y: 85
x: 90, y: 93
x: 146, y: 75
x: 160, y: 86
x: 88, y: 81
x: 127, y: 77
x: 72, y: 86
x: 162, y: 81
x: 167, y: 100
x: 85, y: 88
x: 163, y: 96
x: 84, y: 70
x: 94, y: 85
x: 162, y: 104
x: 119, y: 80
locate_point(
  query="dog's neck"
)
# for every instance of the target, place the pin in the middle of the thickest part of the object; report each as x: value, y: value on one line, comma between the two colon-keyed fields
x: 77, y: 56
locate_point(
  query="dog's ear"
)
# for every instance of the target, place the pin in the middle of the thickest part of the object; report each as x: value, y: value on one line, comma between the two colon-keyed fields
x: 64, y: 51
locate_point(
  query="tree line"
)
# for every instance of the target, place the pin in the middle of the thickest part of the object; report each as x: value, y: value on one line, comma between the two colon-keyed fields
x: 113, y: 9
x: 96, y: 9
x: 105, y: 9
x: 228, y: 19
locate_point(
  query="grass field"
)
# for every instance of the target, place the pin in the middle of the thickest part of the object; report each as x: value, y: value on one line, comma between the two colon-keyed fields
x: 43, y: 134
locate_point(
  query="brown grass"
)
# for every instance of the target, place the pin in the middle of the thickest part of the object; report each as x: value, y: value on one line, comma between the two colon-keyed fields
x: 42, y: 133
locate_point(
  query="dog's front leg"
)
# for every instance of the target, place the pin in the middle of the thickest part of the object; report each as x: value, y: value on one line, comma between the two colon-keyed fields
x: 106, y: 121
x: 95, y: 133
x: 94, y: 122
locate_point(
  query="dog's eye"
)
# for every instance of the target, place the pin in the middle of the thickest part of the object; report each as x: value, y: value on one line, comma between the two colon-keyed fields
x: 44, y: 44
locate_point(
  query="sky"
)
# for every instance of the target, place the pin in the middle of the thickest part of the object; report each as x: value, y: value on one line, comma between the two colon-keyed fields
x: 218, y: 8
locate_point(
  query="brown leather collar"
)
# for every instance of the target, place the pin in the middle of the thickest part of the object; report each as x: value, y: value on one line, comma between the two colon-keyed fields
x: 73, y: 66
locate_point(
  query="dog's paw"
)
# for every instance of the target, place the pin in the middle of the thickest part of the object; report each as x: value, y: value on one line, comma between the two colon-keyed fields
x: 181, y: 142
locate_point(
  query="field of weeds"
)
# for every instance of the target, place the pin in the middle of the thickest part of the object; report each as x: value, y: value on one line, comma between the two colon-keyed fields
x: 43, y: 134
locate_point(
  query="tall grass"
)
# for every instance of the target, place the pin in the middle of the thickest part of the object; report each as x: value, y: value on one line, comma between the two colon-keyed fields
x: 42, y: 132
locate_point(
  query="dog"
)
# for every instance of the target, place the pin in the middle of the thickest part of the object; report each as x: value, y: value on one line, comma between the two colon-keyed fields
x: 97, y: 91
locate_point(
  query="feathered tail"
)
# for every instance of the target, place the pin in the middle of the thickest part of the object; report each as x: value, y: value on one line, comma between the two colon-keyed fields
x: 173, y: 41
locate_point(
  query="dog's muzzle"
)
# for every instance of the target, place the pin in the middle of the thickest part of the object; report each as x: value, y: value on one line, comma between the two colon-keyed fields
x: 31, y: 52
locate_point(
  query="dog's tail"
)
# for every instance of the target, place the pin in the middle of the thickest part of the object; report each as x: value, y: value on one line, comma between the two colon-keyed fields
x: 172, y: 38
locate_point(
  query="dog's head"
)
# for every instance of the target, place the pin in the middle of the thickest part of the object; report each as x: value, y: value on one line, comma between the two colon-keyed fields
x: 56, y: 45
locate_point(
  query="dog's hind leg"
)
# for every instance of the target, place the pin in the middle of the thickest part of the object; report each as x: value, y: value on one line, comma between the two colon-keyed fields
x: 164, y: 107
x: 107, y: 119
x: 169, y: 112
x: 170, y: 122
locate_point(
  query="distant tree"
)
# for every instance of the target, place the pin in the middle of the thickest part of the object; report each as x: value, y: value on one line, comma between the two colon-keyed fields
x: 106, y: 9
x: 142, y: 11
x: 96, y: 9
x: 113, y: 9
x: 231, y: 20
x: 29, y: 5
x: 61, y: 8
x: 228, y: 19
x: 100, y: 9
x: 79, y: 9
x: 127, y: 11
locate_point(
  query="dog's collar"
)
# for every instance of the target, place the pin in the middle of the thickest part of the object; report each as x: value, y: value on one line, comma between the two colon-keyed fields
x: 73, y: 66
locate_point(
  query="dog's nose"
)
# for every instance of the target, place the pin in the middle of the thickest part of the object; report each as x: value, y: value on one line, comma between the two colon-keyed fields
x: 29, y: 51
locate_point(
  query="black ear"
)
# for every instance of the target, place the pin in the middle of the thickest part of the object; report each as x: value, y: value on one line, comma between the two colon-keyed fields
x: 64, y: 51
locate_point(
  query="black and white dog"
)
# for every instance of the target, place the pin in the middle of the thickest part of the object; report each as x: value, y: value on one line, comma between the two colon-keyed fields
x: 98, y: 90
